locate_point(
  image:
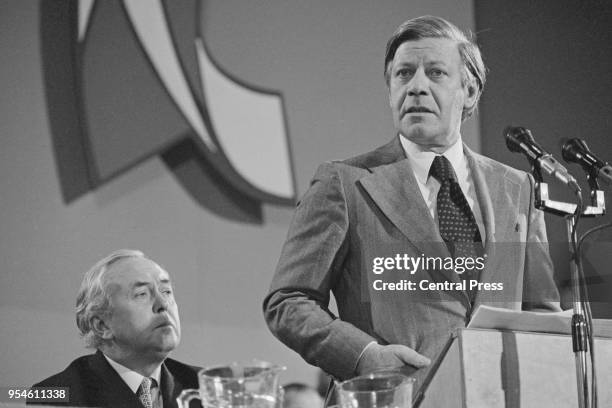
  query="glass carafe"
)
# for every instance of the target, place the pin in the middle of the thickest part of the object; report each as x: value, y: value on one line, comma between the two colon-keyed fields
x: 253, y: 384
x: 376, y: 390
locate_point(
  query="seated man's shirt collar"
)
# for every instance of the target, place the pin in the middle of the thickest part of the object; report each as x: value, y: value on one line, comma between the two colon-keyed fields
x: 132, y: 378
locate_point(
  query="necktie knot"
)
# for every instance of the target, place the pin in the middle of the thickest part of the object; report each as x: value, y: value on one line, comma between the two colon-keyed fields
x: 144, y: 392
x: 442, y: 169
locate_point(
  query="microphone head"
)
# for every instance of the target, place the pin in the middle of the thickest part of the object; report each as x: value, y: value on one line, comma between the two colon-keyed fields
x: 515, y: 135
x: 573, y: 150
x: 576, y: 151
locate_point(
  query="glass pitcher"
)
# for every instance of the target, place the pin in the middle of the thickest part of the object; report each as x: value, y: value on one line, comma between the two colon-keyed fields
x: 253, y: 384
x: 377, y: 390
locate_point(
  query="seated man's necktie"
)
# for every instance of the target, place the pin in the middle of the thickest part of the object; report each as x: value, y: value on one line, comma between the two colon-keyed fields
x: 457, y: 224
x: 144, y: 392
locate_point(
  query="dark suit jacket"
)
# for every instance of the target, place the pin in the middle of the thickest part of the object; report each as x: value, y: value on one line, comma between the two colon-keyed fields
x: 370, y: 206
x: 93, y: 382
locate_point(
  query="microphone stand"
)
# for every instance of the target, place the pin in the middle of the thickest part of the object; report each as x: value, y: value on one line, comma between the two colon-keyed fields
x: 572, y: 212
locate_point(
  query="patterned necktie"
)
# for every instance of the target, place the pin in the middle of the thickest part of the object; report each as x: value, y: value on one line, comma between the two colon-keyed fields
x: 144, y: 393
x: 457, y: 223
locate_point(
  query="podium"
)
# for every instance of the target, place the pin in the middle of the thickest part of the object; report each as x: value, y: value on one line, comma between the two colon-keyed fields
x: 510, y: 369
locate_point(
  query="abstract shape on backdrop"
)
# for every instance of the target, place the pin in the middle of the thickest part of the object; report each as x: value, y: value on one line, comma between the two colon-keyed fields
x: 128, y: 79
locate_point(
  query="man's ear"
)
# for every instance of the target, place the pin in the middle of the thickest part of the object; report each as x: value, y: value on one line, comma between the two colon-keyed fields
x: 101, y: 328
x: 471, y: 95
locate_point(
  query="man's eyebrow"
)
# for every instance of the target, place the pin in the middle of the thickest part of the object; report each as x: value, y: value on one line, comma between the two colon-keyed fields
x: 139, y: 284
x: 402, y: 64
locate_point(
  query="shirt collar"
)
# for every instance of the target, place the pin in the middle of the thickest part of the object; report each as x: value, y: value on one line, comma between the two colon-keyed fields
x: 421, y: 158
x: 132, y: 378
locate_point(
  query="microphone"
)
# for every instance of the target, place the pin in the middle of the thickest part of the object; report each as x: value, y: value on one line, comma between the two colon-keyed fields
x: 520, y: 140
x: 576, y: 151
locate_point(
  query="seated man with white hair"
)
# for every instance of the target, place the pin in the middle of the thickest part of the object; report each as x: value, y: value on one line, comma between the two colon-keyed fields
x: 126, y: 310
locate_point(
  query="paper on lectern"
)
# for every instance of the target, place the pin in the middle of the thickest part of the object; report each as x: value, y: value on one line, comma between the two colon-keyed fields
x: 488, y: 317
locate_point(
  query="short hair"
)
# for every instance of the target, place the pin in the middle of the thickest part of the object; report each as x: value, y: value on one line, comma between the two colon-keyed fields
x: 436, y: 27
x: 93, y: 299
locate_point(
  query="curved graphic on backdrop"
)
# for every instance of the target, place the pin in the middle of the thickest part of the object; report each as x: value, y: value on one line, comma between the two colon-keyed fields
x: 256, y: 145
x: 139, y: 85
x: 151, y: 26
x: 85, y: 7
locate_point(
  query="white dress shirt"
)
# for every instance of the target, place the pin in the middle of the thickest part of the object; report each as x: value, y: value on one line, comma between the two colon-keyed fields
x: 421, y: 160
x: 134, y: 379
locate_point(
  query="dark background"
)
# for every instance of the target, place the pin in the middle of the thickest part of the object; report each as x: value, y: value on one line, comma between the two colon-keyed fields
x: 550, y: 66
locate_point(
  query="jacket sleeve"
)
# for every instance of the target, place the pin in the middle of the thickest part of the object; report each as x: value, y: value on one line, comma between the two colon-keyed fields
x: 539, y: 289
x: 296, y: 309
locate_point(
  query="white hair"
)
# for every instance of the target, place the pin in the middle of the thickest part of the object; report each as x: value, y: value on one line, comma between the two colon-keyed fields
x: 93, y: 299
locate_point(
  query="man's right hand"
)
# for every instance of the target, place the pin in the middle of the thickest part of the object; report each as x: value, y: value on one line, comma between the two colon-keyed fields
x: 378, y: 357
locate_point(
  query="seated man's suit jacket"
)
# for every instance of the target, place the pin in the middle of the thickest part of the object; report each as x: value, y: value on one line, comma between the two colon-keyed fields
x: 371, y: 206
x: 93, y: 382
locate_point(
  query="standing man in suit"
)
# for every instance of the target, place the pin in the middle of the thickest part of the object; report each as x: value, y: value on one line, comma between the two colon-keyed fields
x: 425, y: 195
x: 126, y: 310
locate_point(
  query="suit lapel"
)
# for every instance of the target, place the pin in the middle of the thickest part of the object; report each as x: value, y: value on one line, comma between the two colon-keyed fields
x: 393, y: 187
x: 487, y: 184
x: 107, y: 387
x: 170, y: 387
x: 499, y: 200
x: 394, y: 190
